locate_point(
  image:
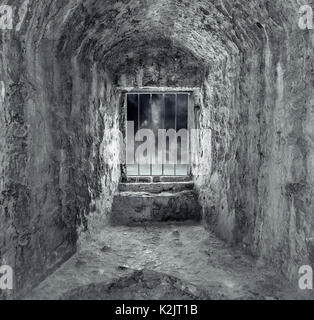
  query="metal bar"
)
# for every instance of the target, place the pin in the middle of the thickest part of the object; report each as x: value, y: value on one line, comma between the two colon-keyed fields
x: 138, y: 127
x: 151, y: 119
x: 164, y: 125
x: 157, y: 89
x: 189, y: 136
x: 175, y: 125
x: 125, y: 112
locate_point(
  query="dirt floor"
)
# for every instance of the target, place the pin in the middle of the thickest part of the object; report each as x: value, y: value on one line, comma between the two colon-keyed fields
x: 181, y: 250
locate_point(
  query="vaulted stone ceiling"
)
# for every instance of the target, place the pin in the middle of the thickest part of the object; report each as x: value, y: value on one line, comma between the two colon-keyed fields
x: 107, y: 30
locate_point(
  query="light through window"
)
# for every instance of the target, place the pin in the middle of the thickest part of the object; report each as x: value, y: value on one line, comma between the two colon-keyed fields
x: 159, y: 120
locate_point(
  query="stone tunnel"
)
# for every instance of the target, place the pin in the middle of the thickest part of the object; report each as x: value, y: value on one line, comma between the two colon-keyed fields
x: 64, y: 69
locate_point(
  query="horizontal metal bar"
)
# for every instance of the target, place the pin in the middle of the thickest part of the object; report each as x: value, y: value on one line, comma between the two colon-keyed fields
x: 155, y: 90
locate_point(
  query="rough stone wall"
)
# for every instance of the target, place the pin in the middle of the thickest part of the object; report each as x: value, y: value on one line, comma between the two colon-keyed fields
x: 260, y: 191
x: 283, y: 229
x: 72, y: 176
x: 55, y: 169
x: 60, y: 103
x: 60, y: 66
x: 14, y: 189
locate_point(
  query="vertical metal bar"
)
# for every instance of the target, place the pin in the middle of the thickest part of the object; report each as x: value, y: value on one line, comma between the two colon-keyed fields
x: 175, y: 121
x: 189, y: 135
x: 151, y: 120
x: 125, y: 112
x: 164, y: 126
x: 138, y: 126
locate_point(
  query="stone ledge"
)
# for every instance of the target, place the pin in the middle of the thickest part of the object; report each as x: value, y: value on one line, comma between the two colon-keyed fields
x: 156, y: 187
x: 133, y: 207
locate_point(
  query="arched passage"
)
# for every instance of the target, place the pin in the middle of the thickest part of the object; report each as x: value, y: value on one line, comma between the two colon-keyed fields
x: 61, y: 72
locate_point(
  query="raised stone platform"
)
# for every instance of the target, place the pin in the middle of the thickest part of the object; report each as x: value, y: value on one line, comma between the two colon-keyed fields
x: 163, y: 201
x: 156, y: 187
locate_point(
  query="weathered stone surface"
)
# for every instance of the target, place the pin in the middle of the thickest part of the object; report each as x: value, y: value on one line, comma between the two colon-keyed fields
x: 60, y: 67
x: 156, y: 187
x: 172, y: 204
x: 141, y: 285
x: 258, y: 103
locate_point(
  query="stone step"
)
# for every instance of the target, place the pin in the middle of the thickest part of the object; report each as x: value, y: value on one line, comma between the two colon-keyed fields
x: 158, y: 202
x: 156, y: 187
